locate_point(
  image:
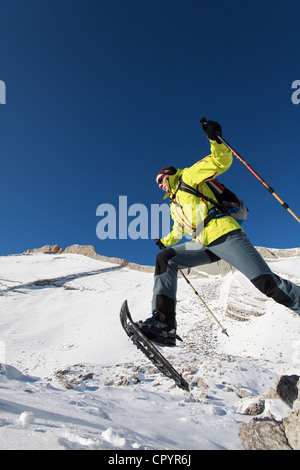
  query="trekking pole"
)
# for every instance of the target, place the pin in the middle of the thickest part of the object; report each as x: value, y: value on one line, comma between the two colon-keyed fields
x: 268, y: 187
x: 199, y: 296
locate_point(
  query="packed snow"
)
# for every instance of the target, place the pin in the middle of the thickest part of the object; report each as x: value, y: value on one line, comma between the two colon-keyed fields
x: 71, y: 379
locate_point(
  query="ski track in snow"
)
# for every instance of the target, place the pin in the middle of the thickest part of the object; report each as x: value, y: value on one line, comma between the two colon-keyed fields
x: 71, y: 379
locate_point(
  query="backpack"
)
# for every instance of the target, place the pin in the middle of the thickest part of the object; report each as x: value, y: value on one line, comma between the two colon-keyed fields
x: 227, y: 202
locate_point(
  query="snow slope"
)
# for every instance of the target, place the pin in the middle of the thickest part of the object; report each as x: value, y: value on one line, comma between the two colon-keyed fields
x: 71, y: 379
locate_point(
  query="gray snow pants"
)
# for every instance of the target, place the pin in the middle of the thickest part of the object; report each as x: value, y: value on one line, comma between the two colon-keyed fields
x: 235, y: 249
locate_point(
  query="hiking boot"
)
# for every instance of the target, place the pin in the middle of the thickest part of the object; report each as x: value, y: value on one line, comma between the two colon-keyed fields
x: 157, y: 331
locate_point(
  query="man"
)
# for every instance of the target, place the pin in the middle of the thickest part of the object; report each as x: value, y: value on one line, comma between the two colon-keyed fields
x: 220, y: 238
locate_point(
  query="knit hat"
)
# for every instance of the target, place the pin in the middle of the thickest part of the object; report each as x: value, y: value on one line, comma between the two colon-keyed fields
x: 167, y: 170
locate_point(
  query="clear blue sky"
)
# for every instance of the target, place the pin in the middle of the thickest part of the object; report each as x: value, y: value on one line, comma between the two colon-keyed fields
x: 101, y: 94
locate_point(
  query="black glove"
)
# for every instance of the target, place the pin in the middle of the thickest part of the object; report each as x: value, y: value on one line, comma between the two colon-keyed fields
x: 212, y: 129
x: 159, y: 243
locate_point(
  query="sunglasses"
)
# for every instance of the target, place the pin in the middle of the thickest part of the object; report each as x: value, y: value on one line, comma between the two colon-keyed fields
x: 159, y: 181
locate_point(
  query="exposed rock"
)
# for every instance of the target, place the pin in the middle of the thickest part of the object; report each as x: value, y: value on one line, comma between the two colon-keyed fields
x: 270, y: 395
x: 252, y: 408
x: 243, y: 393
x: 263, y: 434
x: 218, y: 268
x: 270, y: 434
x: 292, y: 422
x: 286, y: 388
x: 51, y: 249
x: 202, y: 384
x: 291, y: 426
x: 284, y: 253
x: 73, y: 376
x: 90, y: 252
x: 85, y: 250
x: 296, y: 404
x: 266, y: 253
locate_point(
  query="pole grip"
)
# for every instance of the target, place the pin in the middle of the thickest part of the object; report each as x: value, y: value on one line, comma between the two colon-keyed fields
x: 203, y: 122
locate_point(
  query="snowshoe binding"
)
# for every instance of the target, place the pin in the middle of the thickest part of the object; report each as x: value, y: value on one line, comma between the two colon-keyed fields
x: 157, y: 331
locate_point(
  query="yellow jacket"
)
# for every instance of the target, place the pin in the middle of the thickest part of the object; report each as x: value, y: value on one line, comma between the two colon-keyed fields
x: 187, y: 210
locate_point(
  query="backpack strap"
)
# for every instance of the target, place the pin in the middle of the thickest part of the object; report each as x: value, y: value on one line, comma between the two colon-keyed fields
x: 195, y: 192
x: 219, y: 210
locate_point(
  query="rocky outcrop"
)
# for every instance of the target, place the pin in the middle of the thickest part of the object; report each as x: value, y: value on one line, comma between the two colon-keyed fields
x: 263, y: 434
x: 287, y: 389
x: 49, y: 249
x: 271, y: 434
x: 90, y: 252
x: 218, y: 268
